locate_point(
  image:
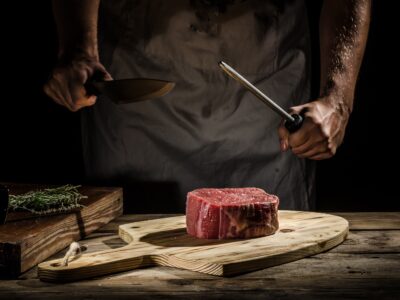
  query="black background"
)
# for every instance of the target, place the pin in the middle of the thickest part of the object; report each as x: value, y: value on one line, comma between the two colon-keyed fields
x: 40, y: 141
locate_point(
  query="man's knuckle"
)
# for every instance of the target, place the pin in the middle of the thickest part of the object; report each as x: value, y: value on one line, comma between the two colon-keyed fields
x: 331, y: 150
x: 318, y: 123
x: 75, y: 107
x: 82, y: 76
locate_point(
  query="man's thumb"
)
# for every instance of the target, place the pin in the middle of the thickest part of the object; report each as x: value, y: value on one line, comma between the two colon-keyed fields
x: 283, y: 134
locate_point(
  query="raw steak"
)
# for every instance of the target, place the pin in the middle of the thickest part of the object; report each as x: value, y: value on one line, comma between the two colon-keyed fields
x: 231, y: 213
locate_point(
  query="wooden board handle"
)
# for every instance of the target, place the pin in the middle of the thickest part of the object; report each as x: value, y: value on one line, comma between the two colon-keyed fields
x: 96, y: 264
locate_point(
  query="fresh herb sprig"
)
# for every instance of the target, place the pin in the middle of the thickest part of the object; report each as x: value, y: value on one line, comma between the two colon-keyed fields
x: 48, y: 201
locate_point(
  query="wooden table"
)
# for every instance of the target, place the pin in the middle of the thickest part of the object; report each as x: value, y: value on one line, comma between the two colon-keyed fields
x: 366, y: 265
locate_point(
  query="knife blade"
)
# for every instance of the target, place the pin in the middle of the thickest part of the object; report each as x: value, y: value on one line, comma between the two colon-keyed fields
x: 130, y: 90
x: 293, y: 122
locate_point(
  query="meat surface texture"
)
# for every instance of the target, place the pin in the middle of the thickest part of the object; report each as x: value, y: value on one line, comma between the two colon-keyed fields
x: 231, y: 213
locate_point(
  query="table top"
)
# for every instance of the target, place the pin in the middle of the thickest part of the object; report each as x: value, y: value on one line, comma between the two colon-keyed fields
x: 366, y: 265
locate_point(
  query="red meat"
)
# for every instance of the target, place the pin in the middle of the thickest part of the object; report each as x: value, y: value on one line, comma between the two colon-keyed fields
x: 231, y: 213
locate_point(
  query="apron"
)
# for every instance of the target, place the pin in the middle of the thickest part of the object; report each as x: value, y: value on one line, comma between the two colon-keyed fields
x: 208, y: 131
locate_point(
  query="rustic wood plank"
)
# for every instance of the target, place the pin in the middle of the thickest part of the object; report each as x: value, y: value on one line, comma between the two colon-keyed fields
x: 360, y: 268
x: 369, y: 242
x: 165, y: 242
x: 372, y: 220
x: 324, y: 275
x: 25, y: 243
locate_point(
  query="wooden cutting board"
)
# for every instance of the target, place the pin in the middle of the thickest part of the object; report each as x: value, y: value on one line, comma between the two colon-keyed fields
x: 164, y: 242
x: 27, y: 242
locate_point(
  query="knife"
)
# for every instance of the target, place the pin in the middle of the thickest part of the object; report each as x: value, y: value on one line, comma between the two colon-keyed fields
x: 293, y: 122
x: 129, y: 90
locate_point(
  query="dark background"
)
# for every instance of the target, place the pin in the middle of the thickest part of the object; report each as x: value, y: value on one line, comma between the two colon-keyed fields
x: 41, y: 141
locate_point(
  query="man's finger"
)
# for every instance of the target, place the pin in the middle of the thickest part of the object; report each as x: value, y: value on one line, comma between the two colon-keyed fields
x: 56, y: 83
x: 80, y: 97
x: 53, y: 91
x: 73, y: 104
x: 61, y: 86
x: 311, y: 142
x: 298, y: 109
x: 314, y: 150
x: 283, y: 134
x: 50, y: 93
x: 301, y: 136
x: 321, y: 156
x: 106, y: 76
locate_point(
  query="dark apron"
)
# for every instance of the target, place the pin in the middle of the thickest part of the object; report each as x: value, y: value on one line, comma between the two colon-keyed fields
x: 208, y: 132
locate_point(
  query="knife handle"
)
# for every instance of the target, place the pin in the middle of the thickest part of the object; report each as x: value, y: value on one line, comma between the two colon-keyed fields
x: 90, y: 84
x: 91, y: 89
x: 293, y: 126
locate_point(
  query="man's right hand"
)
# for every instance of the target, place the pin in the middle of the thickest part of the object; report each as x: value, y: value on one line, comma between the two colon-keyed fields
x: 66, y: 84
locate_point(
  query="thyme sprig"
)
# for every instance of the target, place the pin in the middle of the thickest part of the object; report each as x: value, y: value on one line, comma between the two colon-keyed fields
x: 48, y: 201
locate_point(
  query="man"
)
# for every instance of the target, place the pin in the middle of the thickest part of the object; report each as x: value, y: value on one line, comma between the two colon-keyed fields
x: 208, y: 132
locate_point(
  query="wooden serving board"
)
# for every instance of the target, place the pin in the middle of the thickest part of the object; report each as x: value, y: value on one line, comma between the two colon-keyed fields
x: 27, y: 241
x: 165, y: 242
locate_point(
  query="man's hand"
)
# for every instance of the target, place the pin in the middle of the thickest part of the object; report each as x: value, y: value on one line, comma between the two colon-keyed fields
x: 66, y: 84
x: 343, y: 34
x: 78, y: 53
x: 321, y: 133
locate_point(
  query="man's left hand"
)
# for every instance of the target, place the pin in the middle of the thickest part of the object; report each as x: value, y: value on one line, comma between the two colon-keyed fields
x: 322, y: 131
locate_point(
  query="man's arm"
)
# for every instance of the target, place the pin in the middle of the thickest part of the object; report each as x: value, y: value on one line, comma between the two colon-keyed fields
x: 343, y: 34
x: 76, y: 22
x: 78, y: 57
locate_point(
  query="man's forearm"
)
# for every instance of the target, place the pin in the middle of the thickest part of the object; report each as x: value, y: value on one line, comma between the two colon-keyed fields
x: 77, y: 27
x: 343, y: 34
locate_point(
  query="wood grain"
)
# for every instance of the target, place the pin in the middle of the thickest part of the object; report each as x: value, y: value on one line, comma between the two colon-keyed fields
x: 364, y: 266
x: 372, y: 220
x: 165, y: 242
x: 25, y: 243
